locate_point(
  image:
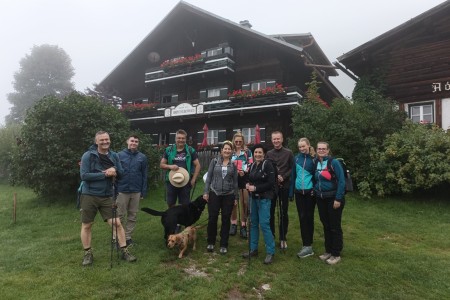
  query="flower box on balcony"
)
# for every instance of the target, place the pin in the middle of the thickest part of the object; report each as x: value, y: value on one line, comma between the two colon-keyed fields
x: 181, y: 62
x: 243, y: 94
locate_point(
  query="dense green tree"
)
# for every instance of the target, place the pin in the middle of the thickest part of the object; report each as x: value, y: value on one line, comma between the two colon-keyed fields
x: 55, y: 135
x: 415, y: 158
x: 46, y: 71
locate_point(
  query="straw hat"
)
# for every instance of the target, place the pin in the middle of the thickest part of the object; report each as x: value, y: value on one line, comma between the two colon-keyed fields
x: 179, y: 178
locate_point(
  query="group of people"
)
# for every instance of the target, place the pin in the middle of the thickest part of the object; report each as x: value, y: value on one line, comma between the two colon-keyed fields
x: 241, y: 185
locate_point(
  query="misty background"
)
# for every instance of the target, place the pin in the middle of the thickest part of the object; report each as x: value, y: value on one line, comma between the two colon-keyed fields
x: 98, y: 34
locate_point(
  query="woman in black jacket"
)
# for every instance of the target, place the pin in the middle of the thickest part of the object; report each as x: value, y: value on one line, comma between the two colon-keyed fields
x: 260, y: 186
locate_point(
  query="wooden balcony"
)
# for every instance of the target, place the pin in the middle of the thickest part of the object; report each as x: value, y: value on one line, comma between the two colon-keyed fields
x: 292, y: 96
x: 209, y: 64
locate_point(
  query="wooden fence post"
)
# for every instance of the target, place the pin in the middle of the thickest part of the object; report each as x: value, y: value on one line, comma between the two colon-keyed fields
x: 14, y: 207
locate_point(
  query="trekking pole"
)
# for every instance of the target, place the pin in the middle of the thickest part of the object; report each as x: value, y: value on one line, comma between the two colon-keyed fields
x: 241, y: 195
x: 114, y: 239
x: 249, y: 223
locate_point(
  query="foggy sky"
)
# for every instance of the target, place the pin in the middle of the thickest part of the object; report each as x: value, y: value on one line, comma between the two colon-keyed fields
x: 99, y: 34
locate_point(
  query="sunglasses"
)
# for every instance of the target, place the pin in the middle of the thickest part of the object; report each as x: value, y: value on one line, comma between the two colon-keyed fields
x: 237, y: 142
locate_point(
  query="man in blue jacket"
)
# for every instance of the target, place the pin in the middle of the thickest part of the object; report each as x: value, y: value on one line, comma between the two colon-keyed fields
x: 98, y: 169
x: 132, y: 185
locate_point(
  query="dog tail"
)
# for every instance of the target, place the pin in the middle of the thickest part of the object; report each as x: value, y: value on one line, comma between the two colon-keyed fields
x: 153, y: 212
x: 199, y: 227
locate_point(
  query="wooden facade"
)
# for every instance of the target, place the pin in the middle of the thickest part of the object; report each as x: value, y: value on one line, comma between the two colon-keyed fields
x: 414, y: 59
x: 184, y: 73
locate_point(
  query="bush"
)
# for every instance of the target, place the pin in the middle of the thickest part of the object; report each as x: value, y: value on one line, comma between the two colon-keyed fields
x: 55, y: 135
x: 353, y: 128
x: 9, y: 137
x: 415, y: 158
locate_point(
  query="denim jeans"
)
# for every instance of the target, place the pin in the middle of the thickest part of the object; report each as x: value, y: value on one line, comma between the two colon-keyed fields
x: 260, y: 217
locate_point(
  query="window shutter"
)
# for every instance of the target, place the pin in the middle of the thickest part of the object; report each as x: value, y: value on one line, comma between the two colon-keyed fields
x: 223, y: 92
x: 203, y: 94
x: 262, y: 134
x: 222, y: 135
x: 199, y: 137
x: 172, y: 138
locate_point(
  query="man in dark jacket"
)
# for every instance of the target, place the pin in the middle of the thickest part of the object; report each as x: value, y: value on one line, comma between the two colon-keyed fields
x: 284, y: 158
x: 98, y: 169
x: 132, y: 185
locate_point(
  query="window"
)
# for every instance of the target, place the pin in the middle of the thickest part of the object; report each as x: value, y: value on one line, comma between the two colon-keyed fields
x: 214, y: 52
x: 256, y: 86
x: 213, y: 137
x: 169, y: 98
x: 249, y: 135
x: 423, y: 112
x: 213, y: 93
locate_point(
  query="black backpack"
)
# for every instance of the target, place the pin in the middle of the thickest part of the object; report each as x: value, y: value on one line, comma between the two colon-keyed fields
x: 275, y: 170
x: 348, y: 178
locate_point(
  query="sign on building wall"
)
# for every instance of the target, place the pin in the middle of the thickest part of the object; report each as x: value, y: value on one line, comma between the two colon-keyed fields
x: 440, y: 86
x: 183, y: 109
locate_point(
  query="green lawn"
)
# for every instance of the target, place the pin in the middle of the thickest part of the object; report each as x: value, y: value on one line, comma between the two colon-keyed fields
x: 393, y: 249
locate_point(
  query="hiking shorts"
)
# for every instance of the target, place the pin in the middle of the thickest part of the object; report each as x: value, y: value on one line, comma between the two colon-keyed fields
x: 91, y: 204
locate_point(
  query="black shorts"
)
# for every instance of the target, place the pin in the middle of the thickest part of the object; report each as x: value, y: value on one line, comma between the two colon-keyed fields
x: 242, y: 181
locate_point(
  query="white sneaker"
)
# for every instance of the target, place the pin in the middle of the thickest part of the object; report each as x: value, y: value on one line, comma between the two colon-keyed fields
x: 333, y: 260
x: 305, y: 252
x: 325, y: 256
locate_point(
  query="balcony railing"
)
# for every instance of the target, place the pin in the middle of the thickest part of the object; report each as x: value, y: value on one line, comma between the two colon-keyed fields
x: 207, y: 65
x: 292, y: 96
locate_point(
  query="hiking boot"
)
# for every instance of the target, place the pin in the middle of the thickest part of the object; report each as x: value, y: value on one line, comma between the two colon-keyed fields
x: 333, y: 260
x: 269, y: 259
x: 233, y: 229
x: 130, y: 242
x: 252, y: 253
x: 210, y: 248
x: 243, y: 232
x: 88, y: 258
x: 126, y: 255
x: 325, y: 256
x: 223, y: 250
x: 283, y: 245
x: 305, y: 252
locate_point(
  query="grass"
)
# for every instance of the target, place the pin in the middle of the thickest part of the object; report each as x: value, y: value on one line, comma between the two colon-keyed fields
x: 393, y: 249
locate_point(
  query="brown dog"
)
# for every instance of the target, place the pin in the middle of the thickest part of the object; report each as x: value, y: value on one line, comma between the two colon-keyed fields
x: 182, y: 239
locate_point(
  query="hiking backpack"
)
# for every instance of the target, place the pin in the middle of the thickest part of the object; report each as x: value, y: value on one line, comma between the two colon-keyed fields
x: 348, y: 178
x: 275, y: 171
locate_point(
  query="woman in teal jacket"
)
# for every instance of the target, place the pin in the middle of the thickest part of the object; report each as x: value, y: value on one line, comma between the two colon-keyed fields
x: 329, y: 189
x: 302, y: 188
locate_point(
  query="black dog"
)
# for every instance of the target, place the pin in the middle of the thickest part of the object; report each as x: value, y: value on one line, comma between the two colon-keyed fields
x: 186, y: 214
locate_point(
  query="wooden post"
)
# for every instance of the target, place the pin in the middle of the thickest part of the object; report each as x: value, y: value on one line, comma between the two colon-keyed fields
x: 14, y: 208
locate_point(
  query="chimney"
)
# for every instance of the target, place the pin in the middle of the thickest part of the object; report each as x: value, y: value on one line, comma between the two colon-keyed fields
x: 245, y: 23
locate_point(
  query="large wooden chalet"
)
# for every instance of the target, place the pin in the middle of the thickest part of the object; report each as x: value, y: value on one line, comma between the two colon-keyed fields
x: 196, y: 68
x: 415, y: 60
